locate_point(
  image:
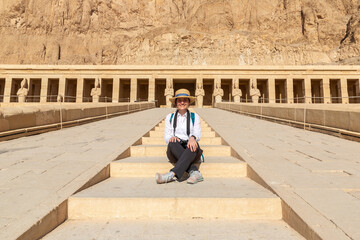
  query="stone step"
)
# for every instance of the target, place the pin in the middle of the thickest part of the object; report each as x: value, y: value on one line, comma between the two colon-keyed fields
x: 203, y: 129
x: 160, y: 150
x: 167, y: 229
x: 160, y: 140
x: 214, y: 167
x: 142, y: 198
x: 161, y: 134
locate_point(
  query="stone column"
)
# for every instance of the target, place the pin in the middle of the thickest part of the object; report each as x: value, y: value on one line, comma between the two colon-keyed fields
x: 199, y: 93
x: 116, y: 90
x: 79, y: 90
x: 290, y: 90
x: 271, y: 86
x: 169, y: 91
x: 7, y: 89
x: 43, y: 90
x: 326, y: 90
x: 344, y: 91
x: 62, y: 89
x: 307, y: 86
x: 133, y: 89
x: 151, y: 94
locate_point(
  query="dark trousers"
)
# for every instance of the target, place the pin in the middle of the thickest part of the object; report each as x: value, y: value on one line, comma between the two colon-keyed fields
x: 183, y: 158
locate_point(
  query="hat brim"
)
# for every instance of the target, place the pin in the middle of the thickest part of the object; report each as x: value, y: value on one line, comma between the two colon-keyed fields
x: 192, y: 99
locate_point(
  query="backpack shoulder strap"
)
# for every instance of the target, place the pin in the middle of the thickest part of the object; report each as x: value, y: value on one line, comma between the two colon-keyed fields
x: 172, y: 115
x: 192, y: 115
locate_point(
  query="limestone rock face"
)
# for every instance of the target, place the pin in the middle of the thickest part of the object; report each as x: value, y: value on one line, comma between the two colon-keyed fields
x: 180, y: 32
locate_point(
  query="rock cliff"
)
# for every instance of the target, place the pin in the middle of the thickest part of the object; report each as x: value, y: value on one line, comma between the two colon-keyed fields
x: 180, y: 32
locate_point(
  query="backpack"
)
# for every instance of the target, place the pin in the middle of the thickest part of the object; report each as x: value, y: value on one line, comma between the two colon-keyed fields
x: 192, y: 117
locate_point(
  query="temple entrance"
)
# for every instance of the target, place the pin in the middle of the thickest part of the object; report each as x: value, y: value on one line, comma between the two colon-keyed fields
x: 124, y: 92
x: 2, y: 89
x: 89, y: 84
x: 52, y: 90
x: 244, y: 85
x: 299, y: 91
x: 34, y: 90
x: 316, y: 91
x: 15, y: 86
x: 70, y: 90
x: 280, y: 91
x: 188, y: 84
x: 262, y: 85
x: 226, y: 85
x: 106, y: 90
x: 208, y: 85
x: 335, y: 91
x: 142, y: 90
x: 353, y: 90
x: 160, y: 85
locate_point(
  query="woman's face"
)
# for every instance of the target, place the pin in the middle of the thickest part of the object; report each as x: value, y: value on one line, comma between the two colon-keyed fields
x: 182, y: 103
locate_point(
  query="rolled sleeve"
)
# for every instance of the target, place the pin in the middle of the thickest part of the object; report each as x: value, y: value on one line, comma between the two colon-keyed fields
x: 197, y: 128
x: 168, y: 129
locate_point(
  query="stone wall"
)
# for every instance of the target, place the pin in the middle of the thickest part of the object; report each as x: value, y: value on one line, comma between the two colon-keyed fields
x: 179, y: 32
x: 332, y: 117
x: 29, y: 118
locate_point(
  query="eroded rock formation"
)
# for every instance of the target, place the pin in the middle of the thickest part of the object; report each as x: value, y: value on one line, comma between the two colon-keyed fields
x: 181, y: 32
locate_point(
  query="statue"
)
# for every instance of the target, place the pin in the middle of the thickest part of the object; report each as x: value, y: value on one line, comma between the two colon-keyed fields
x: 169, y: 91
x: 254, y: 93
x: 199, y: 93
x: 218, y: 92
x: 23, y: 91
x: 236, y: 91
x: 59, y: 98
x: 96, y: 91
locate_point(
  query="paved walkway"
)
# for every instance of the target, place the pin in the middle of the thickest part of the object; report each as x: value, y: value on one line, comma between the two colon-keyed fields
x: 316, y: 174
x: 38, y: 173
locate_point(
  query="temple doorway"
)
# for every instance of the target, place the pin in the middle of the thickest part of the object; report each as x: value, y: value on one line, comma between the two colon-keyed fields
x: 52, y: 90
x: 124, y: 92
x: 262, y: 85
x: 299, y: 91
x: 2, y: 89
x: 15, y: 86
x: 106, y: 90
x: 280, y: 91
x: 208, y: 85
x: 70, y: 90
x: 353, y: 90
x: 89, y: 84
x: 335, y: 91
x: 226, y: 85
x: 244, y: 85
x: 160, y: 85
x: 142, y: 90
x: 316, y: 91
x: 34, y: 90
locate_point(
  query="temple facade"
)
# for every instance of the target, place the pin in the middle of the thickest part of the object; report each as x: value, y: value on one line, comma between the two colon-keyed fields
x: 210, y: 84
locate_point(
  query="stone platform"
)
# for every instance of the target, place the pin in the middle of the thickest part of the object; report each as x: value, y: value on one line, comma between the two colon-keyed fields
x: 316, y: 175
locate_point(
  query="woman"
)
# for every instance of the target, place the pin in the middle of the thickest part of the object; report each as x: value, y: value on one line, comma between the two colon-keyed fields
x: 182, y: 133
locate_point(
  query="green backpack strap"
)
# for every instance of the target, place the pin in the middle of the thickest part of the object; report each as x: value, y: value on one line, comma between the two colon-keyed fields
x: 172, y: 115
x: 192, y: 115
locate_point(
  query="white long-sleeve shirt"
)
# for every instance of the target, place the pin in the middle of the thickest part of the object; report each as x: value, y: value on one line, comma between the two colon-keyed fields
x: 180, y: 131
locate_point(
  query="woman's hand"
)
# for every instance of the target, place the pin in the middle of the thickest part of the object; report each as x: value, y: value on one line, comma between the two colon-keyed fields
x: 174, y: 139
x: 192, y: 144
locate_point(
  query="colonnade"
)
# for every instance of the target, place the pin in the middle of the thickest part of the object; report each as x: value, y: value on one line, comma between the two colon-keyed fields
x: 264, y: 86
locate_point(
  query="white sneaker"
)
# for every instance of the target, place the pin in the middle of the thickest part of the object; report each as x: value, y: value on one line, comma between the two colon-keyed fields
x: 164, y: 178
x: 195, y: 177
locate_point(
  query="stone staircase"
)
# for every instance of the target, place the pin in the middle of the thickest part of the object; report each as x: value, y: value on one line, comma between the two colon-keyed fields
x: 130, y: 205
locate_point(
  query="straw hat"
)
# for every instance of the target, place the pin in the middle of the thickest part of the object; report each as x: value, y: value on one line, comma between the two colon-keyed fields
x: 182, y: 93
